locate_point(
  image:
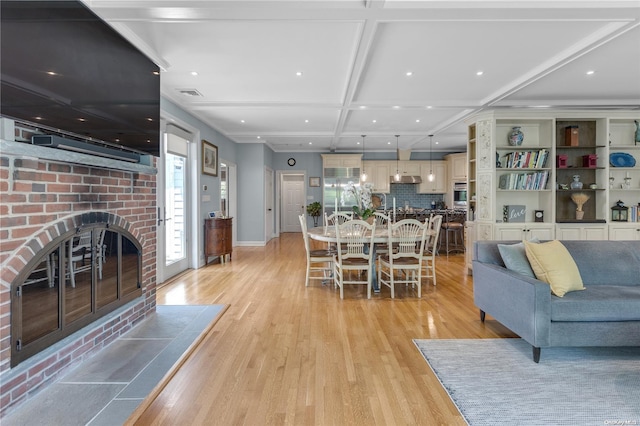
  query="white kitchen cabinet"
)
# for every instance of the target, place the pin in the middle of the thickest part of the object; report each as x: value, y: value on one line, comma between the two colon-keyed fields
x: 440, y: 181
x: 409, y: 168
x: 341, y: 160
x: 457, y: 166
x: 378, y: 173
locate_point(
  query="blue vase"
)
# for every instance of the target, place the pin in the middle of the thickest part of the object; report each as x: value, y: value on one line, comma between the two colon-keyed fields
x: 516, y: 137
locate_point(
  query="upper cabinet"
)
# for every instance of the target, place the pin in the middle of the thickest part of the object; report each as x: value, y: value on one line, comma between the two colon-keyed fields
x: 457, y: 166
x: 330, y: 161
x: 439, y: 183
x: 378, y: 173
x: 560, y: 172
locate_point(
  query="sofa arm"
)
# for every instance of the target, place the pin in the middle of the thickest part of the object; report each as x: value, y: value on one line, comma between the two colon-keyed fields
x: 520, y: 303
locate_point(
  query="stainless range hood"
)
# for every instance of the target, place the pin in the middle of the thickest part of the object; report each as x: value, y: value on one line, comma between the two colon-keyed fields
x: 406, y: 179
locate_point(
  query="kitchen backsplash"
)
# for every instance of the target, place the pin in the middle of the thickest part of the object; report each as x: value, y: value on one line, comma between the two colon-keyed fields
x: 406, y: 194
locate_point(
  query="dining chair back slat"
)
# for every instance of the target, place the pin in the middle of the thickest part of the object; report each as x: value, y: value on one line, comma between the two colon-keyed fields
x: 318, y: 261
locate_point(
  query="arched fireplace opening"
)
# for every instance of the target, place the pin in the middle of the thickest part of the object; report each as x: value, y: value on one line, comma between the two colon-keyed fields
x: 79, y: 276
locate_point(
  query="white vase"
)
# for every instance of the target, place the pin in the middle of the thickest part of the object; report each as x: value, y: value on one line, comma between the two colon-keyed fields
x: 579, y: 215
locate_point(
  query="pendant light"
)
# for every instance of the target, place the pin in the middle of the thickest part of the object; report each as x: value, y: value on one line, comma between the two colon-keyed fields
x: 363, y: 178
x: 431, y: 158
x: 397, y: 176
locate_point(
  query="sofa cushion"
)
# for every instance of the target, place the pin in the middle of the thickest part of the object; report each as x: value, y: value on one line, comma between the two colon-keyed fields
x: 552, y: 263
x: 515, y: 258
x: 598, y: 303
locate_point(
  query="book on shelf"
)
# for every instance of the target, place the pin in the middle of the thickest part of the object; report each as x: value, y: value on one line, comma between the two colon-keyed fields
x: 514, y: 213
x: 524, y: 181
x: 526, y: 159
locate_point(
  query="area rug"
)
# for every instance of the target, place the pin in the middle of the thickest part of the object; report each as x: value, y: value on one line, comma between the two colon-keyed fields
x: 496, y: 382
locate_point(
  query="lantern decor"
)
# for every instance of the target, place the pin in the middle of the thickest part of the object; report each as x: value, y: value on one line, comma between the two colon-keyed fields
x: 619, y: 212
x: 580, y: 198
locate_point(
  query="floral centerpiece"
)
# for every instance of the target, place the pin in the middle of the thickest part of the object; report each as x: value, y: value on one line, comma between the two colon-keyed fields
x: 362, y: 194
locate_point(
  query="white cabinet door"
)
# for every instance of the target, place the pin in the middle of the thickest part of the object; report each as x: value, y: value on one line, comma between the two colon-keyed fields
x: 409, y: 168
x: 582, y: 232
x: 457, y: 164
x: 624, y: 232
x: 378, y: 172
x: 439, y: 183
x: 524, y: 232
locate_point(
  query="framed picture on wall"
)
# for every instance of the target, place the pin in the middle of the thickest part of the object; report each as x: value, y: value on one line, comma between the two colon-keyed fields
x: 209, y: 158
x: 314, y: 181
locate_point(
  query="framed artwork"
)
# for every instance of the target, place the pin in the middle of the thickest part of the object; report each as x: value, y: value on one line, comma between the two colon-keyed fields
x: 209, y: 158
x: 314, y: 181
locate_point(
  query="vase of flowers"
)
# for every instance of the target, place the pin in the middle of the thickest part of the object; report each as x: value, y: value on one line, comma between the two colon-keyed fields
x: 362, y: 194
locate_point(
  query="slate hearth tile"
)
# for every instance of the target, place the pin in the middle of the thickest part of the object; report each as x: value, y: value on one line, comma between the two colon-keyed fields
x: 116, y: 413
x: 158, y: 367
x: 121, y: 363
x: 165, y: 323
x: 64, y: 404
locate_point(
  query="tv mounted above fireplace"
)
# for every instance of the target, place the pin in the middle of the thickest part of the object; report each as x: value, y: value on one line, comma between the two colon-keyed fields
x: 64, y: 70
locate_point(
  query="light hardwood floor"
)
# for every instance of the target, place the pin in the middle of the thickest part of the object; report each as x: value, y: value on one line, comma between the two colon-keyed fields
x: 286, y: 354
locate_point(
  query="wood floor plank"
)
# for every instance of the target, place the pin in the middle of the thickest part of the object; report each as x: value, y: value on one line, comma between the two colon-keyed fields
x: 284, y: 353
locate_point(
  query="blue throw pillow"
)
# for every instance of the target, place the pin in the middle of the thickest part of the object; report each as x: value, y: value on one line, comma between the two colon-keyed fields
x: 515, y: 258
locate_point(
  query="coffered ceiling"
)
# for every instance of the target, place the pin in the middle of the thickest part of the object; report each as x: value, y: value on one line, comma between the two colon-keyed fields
x: 305, y: 75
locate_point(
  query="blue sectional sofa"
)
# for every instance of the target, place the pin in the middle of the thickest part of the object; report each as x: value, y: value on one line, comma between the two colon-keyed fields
x: 606, y: 313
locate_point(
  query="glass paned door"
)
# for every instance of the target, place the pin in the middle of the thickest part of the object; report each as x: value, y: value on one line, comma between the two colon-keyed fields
x: 175, y: 220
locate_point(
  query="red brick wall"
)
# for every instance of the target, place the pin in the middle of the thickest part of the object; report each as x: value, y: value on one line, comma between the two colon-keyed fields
x: 37, y: 197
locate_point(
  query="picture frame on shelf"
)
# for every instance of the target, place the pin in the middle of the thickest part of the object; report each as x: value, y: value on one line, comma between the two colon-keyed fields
x: 314, y: 182
x: 209, y: 158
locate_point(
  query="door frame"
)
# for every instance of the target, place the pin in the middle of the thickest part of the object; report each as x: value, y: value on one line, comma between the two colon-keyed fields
x: 278, y: 206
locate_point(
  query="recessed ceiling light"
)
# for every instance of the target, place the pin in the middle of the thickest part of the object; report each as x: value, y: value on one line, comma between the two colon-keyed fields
x: 194, y: 73
x: 396, y: 106
x: 418, y: 120
x: 437, y: 142
x: 310, y: 143
x: 81, y: 119
x: 374, y: 121
x: 362, y: 107
x: 479, y: 73
x: 52, y: 73
x: 117, y: 140
x: 38, y: 118
x: 306, y: 121
x: 149, y: 119
x: 389, y: 143
x: 358, y: 143
x: 429, y: 107
x: 156, y: 73
x: 299, y: 73
x: 409, y: 73
x: 242, y: 121
x: 258, y: 137
x: 591, y: 72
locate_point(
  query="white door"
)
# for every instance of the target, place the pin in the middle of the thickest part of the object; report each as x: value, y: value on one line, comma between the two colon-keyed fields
x: 293, y: 202
x: 173, y: 205
x: 268, y: 202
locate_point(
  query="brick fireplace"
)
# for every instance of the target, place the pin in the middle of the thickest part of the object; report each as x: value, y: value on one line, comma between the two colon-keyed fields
x: 45, y: 192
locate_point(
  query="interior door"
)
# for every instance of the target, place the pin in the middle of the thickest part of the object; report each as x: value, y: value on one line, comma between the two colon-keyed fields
x: 293, y: 201
x: 173, y: 205
x: 268, y: 194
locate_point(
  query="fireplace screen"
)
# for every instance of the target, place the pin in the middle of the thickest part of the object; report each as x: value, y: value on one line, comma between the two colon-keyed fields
x: 75, y: 281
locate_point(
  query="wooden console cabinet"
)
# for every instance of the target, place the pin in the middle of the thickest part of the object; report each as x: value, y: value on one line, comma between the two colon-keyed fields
x: 218, y: 240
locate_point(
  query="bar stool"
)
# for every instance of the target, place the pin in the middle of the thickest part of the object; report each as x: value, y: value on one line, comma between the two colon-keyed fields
x: 453, y: 227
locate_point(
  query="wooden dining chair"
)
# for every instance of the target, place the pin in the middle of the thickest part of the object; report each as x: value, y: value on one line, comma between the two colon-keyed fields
x: 330, y: 221
x: 353, y: 264
x: 428, y: 269
x: 317, y: 260
x: 403, y: 264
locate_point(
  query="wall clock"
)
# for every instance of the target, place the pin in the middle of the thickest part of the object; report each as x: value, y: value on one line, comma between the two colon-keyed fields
x: 291, y: 161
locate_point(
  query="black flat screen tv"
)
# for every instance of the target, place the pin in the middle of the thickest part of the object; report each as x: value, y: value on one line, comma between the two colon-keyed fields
x: 64, y: 68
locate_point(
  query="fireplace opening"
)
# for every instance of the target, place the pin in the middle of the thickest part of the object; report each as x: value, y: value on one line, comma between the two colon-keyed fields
x: 78, y: 277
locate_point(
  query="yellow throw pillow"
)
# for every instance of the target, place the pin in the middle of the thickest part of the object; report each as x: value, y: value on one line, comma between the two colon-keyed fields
x: 553, y: 264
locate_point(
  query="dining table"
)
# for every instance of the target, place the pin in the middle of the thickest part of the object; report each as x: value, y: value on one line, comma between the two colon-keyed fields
x: 327, y: 234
